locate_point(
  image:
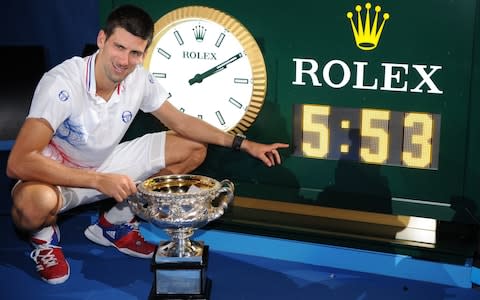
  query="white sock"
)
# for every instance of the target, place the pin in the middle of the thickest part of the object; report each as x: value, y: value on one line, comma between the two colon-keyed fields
x: 44, y: 234
x: 119, y: 214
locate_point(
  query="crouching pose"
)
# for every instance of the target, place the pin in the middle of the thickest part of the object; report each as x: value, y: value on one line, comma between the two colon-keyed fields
x: 68, y: 151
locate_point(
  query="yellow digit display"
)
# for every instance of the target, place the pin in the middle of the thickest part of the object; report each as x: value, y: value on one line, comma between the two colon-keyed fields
x: 369, y: 135
x: 374, y: 133
x: 315, y: 121
x: 417, y: 149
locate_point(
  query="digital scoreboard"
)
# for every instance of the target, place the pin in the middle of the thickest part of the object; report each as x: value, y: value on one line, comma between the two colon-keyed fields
x: 367, y: 135
x: 379, y: 101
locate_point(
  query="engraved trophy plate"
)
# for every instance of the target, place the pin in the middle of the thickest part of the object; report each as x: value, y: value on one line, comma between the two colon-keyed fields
x: 180, y: 204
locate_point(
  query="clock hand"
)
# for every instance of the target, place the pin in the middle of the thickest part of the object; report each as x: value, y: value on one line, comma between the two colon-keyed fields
x: 200, y: 77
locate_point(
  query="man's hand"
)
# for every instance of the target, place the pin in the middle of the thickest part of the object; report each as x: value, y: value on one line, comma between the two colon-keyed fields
x: 266, y: 153
x: 115, y: 185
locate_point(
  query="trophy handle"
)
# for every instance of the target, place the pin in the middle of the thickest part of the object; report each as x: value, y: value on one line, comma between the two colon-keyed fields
x: 225, y: 196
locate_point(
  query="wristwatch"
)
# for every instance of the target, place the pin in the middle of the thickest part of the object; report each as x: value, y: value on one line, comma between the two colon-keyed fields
x: 237, y: 141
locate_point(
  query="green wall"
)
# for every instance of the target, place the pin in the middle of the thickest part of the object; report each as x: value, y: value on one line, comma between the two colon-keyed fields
x: 429, y: 33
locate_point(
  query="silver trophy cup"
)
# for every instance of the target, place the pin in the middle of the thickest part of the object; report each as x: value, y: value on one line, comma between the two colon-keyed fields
x: 180, y: 204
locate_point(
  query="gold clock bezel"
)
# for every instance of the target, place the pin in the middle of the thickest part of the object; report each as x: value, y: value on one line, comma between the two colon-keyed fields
x: 244, y: 37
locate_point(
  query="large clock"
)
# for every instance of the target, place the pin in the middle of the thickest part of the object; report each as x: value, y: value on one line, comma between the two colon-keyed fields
x: 211, y: 65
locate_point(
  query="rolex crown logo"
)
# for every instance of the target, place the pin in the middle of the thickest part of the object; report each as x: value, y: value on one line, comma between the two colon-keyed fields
x: 367, y: 34
x: 199, y: 31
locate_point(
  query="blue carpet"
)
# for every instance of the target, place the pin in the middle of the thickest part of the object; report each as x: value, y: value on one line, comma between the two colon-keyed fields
x: 240, y: 267
x: 103, y: 273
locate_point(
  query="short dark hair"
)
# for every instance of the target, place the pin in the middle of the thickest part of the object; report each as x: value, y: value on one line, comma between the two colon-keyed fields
x: 133, y: 19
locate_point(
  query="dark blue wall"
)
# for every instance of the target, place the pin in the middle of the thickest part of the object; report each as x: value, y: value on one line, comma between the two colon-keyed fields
x: 36, y: 35
x: 62, y: 27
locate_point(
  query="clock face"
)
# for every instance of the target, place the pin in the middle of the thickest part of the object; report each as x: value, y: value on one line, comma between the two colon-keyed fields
x: 211, y: 65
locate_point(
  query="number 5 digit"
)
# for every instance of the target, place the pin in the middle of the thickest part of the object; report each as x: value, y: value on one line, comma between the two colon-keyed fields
x: 315, y: 130
x: 374, y: 133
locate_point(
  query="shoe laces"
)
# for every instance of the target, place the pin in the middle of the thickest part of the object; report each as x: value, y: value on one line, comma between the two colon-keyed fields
x: 134, y: 225
x: 44, y: 257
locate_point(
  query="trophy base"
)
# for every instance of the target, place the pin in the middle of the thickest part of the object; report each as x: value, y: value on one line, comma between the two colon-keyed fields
x: 203, y: 296
x: 180, y: 277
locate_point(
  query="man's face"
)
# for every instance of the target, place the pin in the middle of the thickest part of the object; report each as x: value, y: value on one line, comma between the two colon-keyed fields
x: 119, y: 54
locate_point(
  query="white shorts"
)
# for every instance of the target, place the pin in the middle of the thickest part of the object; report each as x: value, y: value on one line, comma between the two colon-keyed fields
x: 139, y: 159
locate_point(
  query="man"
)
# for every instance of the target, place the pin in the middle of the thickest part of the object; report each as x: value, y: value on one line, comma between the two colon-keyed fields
x: 67, y: 152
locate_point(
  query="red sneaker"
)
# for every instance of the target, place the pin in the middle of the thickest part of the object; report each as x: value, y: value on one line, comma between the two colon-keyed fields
x: 125, y: 237
x: 51, y: 264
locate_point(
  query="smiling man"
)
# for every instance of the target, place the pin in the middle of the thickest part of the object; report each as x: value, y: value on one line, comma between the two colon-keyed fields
x: 68, y: 151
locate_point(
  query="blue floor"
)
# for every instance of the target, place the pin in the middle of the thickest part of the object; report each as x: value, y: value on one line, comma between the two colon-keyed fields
x: 103, y: 273
x: 241, y: 266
